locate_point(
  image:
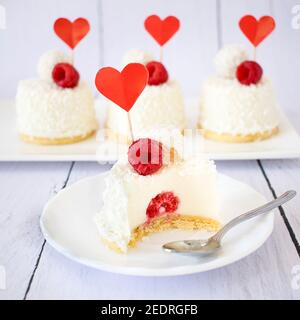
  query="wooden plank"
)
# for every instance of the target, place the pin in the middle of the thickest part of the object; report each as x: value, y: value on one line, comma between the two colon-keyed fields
x: 283, y: 59
x: 24, y: 189
x: 266, y: 274
x: 186, y: 55
x: 284, y: 175
x: 29, y: 34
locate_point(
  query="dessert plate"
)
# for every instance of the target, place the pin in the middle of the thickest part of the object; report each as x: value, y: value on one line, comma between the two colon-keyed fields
x: 68, y: 226
x: 284, y: 145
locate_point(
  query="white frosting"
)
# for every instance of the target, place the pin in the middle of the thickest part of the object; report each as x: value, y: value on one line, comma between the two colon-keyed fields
x: 47, y: 62
x: 48, y: 111
x: 228, y: 59
x: 128, y: 194
x: 230, y: 107
x: 44, y: 110
x: 157, y: 107
x: 136, y: 55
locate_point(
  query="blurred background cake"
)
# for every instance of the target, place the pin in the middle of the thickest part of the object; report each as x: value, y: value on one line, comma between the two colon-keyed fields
x: 58, y: 107
x: 161, y: 105
x: 238, y: 104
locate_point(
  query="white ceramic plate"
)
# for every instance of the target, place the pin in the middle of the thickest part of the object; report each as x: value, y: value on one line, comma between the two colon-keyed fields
x: 282, y: 146
x: 67, y: 224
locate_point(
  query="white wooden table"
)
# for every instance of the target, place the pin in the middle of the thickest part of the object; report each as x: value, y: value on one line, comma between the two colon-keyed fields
x: 34, y: 270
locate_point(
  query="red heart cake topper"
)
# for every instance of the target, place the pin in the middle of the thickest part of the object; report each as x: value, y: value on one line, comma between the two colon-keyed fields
x: 256, y: 30
x: 123, y: 88
x: 162, y: 30
x: 71, y: 32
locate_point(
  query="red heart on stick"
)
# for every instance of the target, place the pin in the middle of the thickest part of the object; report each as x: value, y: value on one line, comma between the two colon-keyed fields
x: 71, y: 32
x: 162, y: 30
x: 123, y: 88
x: 256, y: 30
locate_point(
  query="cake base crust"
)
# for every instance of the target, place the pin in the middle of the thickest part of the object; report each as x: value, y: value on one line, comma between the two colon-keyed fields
x: 55, y: 141
x: 169, y: 222
x: 226, y: 137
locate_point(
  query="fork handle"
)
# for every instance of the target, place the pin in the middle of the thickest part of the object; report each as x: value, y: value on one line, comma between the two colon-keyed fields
x: 288, y: 195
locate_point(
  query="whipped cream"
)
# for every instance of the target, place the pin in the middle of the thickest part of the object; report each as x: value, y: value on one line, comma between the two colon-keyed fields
x: 138, y: 56
x: 48, y: 61
x: 228, y: 59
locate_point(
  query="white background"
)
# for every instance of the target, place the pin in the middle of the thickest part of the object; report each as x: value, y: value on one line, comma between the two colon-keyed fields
x: 33, y: 269
x: 117, y: 26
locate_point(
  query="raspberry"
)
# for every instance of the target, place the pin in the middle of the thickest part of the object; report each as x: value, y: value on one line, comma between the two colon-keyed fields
x: 145, y: 156
x: 157, y: 73
x: 65, y: 75
x: 165, y: 202
x: 249, y: 72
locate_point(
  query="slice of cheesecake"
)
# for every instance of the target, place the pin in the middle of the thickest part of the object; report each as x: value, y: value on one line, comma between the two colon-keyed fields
x: 141, y: 198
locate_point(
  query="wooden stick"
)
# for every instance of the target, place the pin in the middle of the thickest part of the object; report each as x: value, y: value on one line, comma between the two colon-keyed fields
x: 161, y: 54
x: 72, y: 56
x: 130, y: 126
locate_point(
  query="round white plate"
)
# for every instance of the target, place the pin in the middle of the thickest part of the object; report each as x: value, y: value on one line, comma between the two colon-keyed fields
x: 67, y: 224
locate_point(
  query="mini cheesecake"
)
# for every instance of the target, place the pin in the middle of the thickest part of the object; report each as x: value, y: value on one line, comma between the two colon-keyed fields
x: 141, y: 199
x: 238, y: 104
x: 161, y: 104
x: 56, y: 108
